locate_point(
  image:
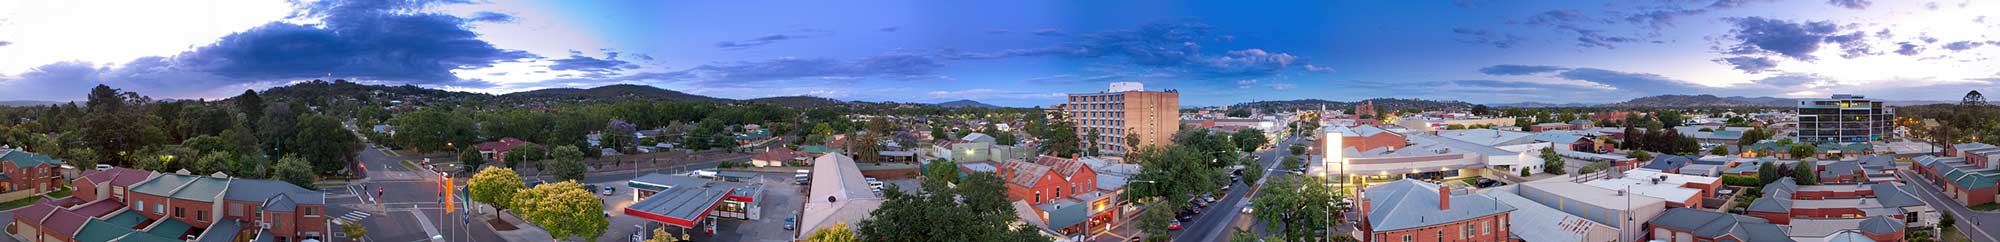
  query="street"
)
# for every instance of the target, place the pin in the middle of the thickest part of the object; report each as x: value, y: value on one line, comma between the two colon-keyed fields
x: 1969, y: 221
x: 1216, y: 220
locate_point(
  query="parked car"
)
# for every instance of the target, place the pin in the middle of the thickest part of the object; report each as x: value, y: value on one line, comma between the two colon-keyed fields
x: 1248, y: 209
x: 589, y: 187
x: 1175, y: 226
x: 791, y: 221
x: 608, y: 190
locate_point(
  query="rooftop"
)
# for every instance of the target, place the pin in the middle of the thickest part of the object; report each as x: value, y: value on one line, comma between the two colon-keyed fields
x: 1408, y: 203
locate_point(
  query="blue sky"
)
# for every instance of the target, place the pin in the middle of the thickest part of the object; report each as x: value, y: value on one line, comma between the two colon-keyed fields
x: 1016, y: 53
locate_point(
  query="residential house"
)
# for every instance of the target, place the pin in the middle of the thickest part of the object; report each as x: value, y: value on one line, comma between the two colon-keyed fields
x: 497, y: 150
x: 1412, y: 210
x: 22, y: 170
x: 1062, y: 193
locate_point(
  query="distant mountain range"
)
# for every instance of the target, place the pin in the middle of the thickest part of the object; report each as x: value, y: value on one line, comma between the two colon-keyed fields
x: 1384, y: 104
x: 1663, y: 101
x: 614, y: 93
x: 25, y: 103
x: 963, y: 103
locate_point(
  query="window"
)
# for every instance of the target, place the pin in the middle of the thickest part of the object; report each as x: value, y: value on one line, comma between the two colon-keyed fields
x: 1440, y: 234
x: 200, y: 215
x: 310, y: 212
x: 141, y: 206
x: 1408, y: 238
x: 1038, y: 196
x: 236, y: 210
x: 180, y: 212
x: 160, y: 208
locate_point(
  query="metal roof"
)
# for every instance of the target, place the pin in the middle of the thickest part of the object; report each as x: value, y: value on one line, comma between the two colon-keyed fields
x: 1712, y: 224
x: 1409, y: 203
x: 680, y: 206
x: 1537, y: 222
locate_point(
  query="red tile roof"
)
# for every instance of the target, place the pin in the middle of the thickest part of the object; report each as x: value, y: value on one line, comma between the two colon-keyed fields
x: 65, y: 222
x: 1063, y: 166
x: 501, y: 146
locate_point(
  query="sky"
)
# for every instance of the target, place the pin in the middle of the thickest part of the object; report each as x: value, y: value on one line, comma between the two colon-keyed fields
x: 1015, y: 53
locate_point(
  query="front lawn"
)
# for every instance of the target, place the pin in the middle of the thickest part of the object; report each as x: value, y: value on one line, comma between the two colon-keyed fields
x: 1986, y: 207
x: 18, y: 203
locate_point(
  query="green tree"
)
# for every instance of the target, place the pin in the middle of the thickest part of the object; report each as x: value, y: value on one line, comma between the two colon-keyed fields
x: 1291, y: 162
x: 1158, y: 215
x: 495, y: 186
x: 294, y: 170
x: 322, y: 142
x: 937, y: 132
x: 527, y: 153
x: 1804, y: 173
x: 1249, y: 139
x: 1239, y: 113
x: 1640, y: 155
x: 941, y: 170
x: 1090, y: 143
x: 1173, y: 173
x: 1767, y: 173
x: 562, y: 208
x: 471, y: 159
x: 432, y: 130
x: 81, y: 158
x: 1252, y: 171
x: 1062, y: 140
x: 1719, y: 150
x: 1800, y: 151
x: 1297, y: 207
x: 1551, y: 163
x: 836, y: 233
x: 213, y: 162
x: 354, y: 230
x: 977, y: 210
x: 568, y: 164
x: 1298, y: 149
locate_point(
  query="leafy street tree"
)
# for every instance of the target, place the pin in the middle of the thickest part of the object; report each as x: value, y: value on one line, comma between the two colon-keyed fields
x: 1239, y: 113
x: 562, y: 208
x: 1640, y: 155
x: 1158, y: 215
x: 1291, y: 162
x: 941, y: 170
x: 495, y: 186
x: 1767, y: 173
x: 977, y: 210
x: 1719, y: 150
x: 1062, y: 139
x: 294, y: 170
x: 839, y: 232
x: 528, y: 153
x: 1801, y: 150
x: 1090, y: 143
x: 1298, y: 149
x: 568, y: 164
x: 937, y: 132
x: 1252, y: 171
x: 1172, y: 173
x: 323, y: 142
x: 1297, y: 206
x: 1551, y: 163
x: 354, y: 230
x: 1249, y: 139
x: 1804, y: 173
x: 431, y: 130
x: 471, y: 159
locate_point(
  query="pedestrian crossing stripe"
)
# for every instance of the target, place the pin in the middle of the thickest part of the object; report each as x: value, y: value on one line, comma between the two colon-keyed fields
x: 355, y: 216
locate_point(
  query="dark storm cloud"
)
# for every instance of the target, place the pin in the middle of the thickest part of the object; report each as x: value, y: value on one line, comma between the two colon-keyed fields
x: 1758, y: 35
x: 1637, y: 82
x: 1514, y: 70
x: 592, y: 65
x: 1749, y: 64
x: 1853, y: 4
x: 364, y: 39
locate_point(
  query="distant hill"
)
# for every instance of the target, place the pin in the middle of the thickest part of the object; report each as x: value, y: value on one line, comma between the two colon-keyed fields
x: 25, y: 103
x: 963, y: 103
x: 1704, y: 100
x: 614, y: 93
x: 1384, y: 104
x: 320, y: 90
x: 1540, y: 105
x: 798, y: 101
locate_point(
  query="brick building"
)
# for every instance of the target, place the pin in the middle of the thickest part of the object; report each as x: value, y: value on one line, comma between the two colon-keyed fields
x: 1412, y: 210
x: 21, y: 170
x: 133, y: 205
x: 1125, y: 109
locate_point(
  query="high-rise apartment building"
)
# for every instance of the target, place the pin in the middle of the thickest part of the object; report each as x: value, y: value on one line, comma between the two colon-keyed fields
x: 1125, y: 109
x: 1844, y: 118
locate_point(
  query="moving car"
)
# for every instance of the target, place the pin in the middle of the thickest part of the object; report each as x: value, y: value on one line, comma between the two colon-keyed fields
x: 608, y: 190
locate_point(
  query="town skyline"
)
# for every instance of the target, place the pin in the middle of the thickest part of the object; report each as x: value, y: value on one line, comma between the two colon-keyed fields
x: 1020, y: 54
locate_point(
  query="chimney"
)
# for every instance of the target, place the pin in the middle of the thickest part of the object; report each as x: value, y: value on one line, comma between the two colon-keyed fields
x: 1444, y: 198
